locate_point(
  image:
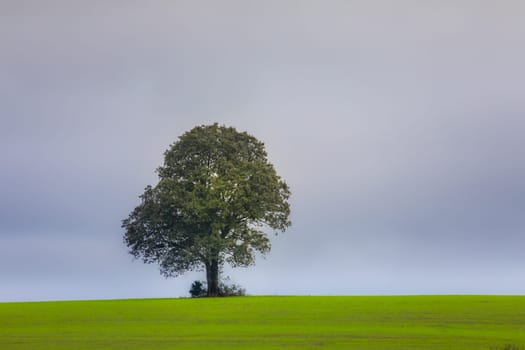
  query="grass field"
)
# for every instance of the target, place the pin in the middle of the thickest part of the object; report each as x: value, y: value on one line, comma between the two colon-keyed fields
x: 404, y: 322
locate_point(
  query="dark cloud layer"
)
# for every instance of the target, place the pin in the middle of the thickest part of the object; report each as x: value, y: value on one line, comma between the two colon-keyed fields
x: 399, y: 127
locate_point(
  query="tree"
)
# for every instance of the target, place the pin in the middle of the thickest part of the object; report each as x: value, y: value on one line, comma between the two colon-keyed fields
x: 217, y: 195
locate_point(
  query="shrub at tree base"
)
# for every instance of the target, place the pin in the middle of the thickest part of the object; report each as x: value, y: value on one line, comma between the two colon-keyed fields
x: 231, y: 290
x: 198, y: 289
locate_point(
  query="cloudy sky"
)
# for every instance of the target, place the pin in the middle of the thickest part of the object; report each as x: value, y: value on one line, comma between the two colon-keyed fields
x: 399, y: 126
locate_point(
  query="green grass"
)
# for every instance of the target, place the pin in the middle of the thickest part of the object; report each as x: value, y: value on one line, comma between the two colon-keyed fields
x: 399, y: 322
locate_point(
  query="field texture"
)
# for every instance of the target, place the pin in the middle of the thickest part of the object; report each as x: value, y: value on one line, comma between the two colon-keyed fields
x: 413, y: 322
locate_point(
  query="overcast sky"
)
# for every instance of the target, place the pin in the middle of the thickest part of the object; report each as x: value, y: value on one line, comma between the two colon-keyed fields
x: 399, y: 126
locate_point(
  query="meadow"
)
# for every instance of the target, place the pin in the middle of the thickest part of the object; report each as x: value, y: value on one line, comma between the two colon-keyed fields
x: 346, y: 322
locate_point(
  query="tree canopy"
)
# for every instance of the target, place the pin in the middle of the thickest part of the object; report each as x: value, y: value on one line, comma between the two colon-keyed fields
x: 216, y: 197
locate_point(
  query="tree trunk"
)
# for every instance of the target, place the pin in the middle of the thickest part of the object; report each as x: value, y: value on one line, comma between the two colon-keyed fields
x: 212, y: 278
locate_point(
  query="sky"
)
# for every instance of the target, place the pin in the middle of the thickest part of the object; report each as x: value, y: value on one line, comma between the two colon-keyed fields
x: 398, y: 125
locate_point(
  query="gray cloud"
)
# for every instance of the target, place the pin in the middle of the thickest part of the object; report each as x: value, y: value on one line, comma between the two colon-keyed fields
x: 398, y: 126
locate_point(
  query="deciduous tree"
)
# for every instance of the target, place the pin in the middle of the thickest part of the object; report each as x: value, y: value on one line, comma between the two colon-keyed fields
x: 216, y: 198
